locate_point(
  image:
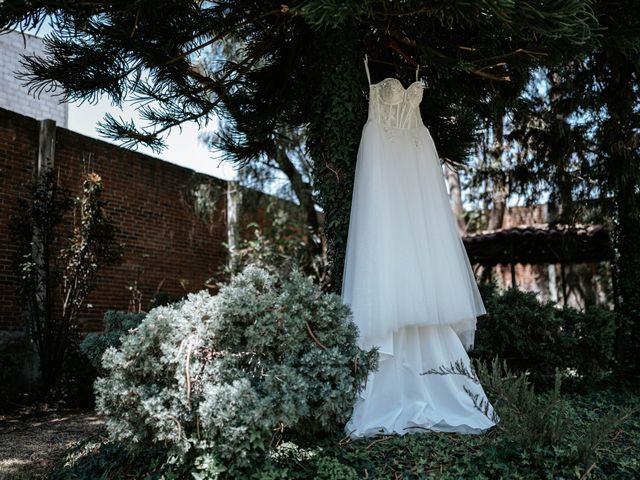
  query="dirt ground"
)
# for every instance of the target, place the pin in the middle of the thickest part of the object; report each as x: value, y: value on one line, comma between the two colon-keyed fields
x: 32, y: 441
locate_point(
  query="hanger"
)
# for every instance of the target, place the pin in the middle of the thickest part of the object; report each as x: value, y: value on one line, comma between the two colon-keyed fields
x: 366, y: 66
x: 367, y: 58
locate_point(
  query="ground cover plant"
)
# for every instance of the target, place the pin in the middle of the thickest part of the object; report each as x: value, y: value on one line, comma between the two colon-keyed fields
x: 552, y: 435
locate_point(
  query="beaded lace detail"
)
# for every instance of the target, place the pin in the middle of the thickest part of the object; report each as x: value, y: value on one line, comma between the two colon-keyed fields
x: 394, y: 106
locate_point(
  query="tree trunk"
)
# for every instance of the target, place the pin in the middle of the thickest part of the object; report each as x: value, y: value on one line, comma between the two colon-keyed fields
x: 620, y: 145
x: 455, y: 193
x: 305, y: 196
x: 500, y: 192
x: 339, y: 112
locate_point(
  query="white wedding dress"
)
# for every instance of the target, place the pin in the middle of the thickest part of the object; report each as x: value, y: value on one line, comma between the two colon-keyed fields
x: 407, y: 277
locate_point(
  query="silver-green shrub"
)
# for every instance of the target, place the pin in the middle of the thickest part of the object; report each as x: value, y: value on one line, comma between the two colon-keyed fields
x: 219, y: 380
x: 116, y: 324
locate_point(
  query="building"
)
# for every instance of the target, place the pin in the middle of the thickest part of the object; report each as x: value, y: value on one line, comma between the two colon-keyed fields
x: 14, y: 95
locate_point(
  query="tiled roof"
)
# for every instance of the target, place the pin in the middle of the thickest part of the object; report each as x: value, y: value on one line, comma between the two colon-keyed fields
x: 539, y: 243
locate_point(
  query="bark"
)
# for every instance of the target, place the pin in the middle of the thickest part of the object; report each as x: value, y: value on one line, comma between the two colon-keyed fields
x: 304, y: 193
x: 455, y: 193
x: 620, y: 145
x: 500, y: 191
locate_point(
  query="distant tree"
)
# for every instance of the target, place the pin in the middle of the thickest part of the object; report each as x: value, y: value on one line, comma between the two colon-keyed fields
x: 574, y: 133
x: 578, y: 126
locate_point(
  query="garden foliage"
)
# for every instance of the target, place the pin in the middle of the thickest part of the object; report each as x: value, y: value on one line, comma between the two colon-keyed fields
x: 220, y: 380
x: 540, y: 435
x: 539, y: 337
x: 116, y: 324
x: 56, y: 270
x: 280, y: 247
x: 259, y: 432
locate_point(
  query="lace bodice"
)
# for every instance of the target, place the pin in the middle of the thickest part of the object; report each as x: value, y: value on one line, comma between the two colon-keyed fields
x: 392, y: 105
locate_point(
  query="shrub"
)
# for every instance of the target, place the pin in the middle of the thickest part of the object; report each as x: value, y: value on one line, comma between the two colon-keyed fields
x: 544, y: 426
x: 546, y: 422
x: 220, y: 380
x: 57, y: 269
x: 592, y: 336
x: 284, y: 245
x: 538, y: 337
x: 522, y: 331
x: 116, y: 324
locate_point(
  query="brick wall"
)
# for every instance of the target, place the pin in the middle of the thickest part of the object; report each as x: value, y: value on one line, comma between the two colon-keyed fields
x: 167, y: 245
x: 171, y: 223
x: 170, y: 242
x: 525, y: 215
x: 18, y: 153
x: 13, y: 95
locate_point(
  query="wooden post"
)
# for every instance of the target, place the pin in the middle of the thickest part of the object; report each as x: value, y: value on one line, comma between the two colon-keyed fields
x: 234, y: 201
x: 553, y: 287
x: 45, y: 162
x: 564, y: 283
x: 46, y: 146
x: 513, y: 265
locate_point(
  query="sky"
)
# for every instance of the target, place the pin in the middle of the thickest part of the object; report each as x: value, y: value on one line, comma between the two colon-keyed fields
x: 183, y: 145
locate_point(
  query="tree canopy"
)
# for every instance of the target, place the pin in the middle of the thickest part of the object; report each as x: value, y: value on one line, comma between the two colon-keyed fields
x: 147, y: 52
x: 272, y: 68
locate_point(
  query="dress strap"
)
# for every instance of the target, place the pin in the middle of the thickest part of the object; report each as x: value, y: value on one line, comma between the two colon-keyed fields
x: 417, y: 69
x: 366, y: 67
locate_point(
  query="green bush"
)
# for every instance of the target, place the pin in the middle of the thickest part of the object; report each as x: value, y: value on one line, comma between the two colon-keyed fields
x: 220, y: 380
x: 539, y: 338
x: 592, y: 336
x: 287, y: 244
x: 63, y: 269
x: 116, y: 324
x: 522, y: 331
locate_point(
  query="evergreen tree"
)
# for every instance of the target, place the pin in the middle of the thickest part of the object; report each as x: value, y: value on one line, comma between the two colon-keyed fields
x: 580, y: 141
x: 300, y: 64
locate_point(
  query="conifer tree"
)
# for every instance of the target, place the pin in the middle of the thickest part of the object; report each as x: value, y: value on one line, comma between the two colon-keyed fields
x: 299, y: 64
x: 580, y: 141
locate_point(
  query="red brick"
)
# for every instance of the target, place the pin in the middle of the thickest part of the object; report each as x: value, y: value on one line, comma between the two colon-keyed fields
x: 144, y: 199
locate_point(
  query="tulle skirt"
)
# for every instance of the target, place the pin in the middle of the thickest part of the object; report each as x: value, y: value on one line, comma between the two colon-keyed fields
x: 405, y: 262
x: 399, y: 398
x: 410, y: 286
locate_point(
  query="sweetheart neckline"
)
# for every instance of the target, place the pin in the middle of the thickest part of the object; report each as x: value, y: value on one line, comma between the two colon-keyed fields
x: 393, y: 78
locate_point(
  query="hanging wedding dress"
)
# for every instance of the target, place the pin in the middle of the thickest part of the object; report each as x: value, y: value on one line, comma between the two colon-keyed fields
x: 407, y: 277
